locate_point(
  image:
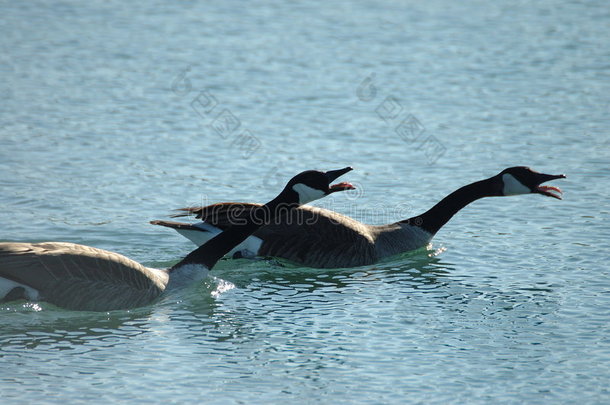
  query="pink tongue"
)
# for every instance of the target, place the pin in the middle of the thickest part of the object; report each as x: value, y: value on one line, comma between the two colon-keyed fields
x: 342, y: 186
x: 547, y: 188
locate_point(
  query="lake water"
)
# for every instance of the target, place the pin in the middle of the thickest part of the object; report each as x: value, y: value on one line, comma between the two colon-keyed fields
x: 114, y: 113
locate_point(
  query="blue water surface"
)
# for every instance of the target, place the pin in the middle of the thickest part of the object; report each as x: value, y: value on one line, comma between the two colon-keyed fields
x: 114, y: 113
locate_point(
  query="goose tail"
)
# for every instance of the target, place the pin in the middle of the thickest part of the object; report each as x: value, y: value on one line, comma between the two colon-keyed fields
x: 201, y: 232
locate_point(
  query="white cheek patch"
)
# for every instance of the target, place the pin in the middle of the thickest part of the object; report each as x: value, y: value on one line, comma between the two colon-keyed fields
x: 306, y: 193
x: 512, y: 186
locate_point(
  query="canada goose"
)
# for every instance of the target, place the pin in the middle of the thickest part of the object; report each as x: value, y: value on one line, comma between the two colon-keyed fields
x: 317, y: 237
x: 86, y: 278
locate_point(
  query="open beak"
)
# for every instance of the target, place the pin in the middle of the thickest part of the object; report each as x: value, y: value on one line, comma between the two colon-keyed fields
x: 549, y: 191
x: 334, y: 175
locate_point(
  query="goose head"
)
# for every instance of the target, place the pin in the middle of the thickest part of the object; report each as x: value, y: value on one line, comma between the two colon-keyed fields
x: 523, y: 180
x: 311, y: 185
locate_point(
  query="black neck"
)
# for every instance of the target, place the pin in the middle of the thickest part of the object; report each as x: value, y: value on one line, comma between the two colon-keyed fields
x: 437, y: 216
x: 213, y: 250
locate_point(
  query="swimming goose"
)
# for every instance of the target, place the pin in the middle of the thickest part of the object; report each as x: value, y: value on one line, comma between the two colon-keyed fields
x: 86, y: 278
x: 317, y: 237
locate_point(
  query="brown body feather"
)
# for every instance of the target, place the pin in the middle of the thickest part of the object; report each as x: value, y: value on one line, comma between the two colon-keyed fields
x: 81, y: 277
x: 314, y: 237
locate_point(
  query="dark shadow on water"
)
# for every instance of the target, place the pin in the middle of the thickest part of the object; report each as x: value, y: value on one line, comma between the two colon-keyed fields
x: 419, y: 267
x: 241, y: 296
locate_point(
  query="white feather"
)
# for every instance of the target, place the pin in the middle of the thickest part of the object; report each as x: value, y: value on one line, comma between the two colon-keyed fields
x: 512, y: 186
x: 307, y: 194
x: 187, y: 275
x: 7, y: 285
x: 248, y: 248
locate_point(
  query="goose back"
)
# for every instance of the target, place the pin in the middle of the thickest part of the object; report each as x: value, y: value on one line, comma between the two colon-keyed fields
x: 396, y: 238
x: 309, y: 236
x: 81, y: 277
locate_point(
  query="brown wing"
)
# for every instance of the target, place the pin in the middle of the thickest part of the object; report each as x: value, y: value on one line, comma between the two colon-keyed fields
x: 221, y: 215
x: 313, y: 237
x: 80, y: 277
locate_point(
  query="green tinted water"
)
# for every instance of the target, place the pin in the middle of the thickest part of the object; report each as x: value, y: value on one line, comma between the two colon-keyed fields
x: 110, y: 119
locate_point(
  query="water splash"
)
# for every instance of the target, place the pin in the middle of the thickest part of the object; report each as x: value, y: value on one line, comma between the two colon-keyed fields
x: 221, y: 287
